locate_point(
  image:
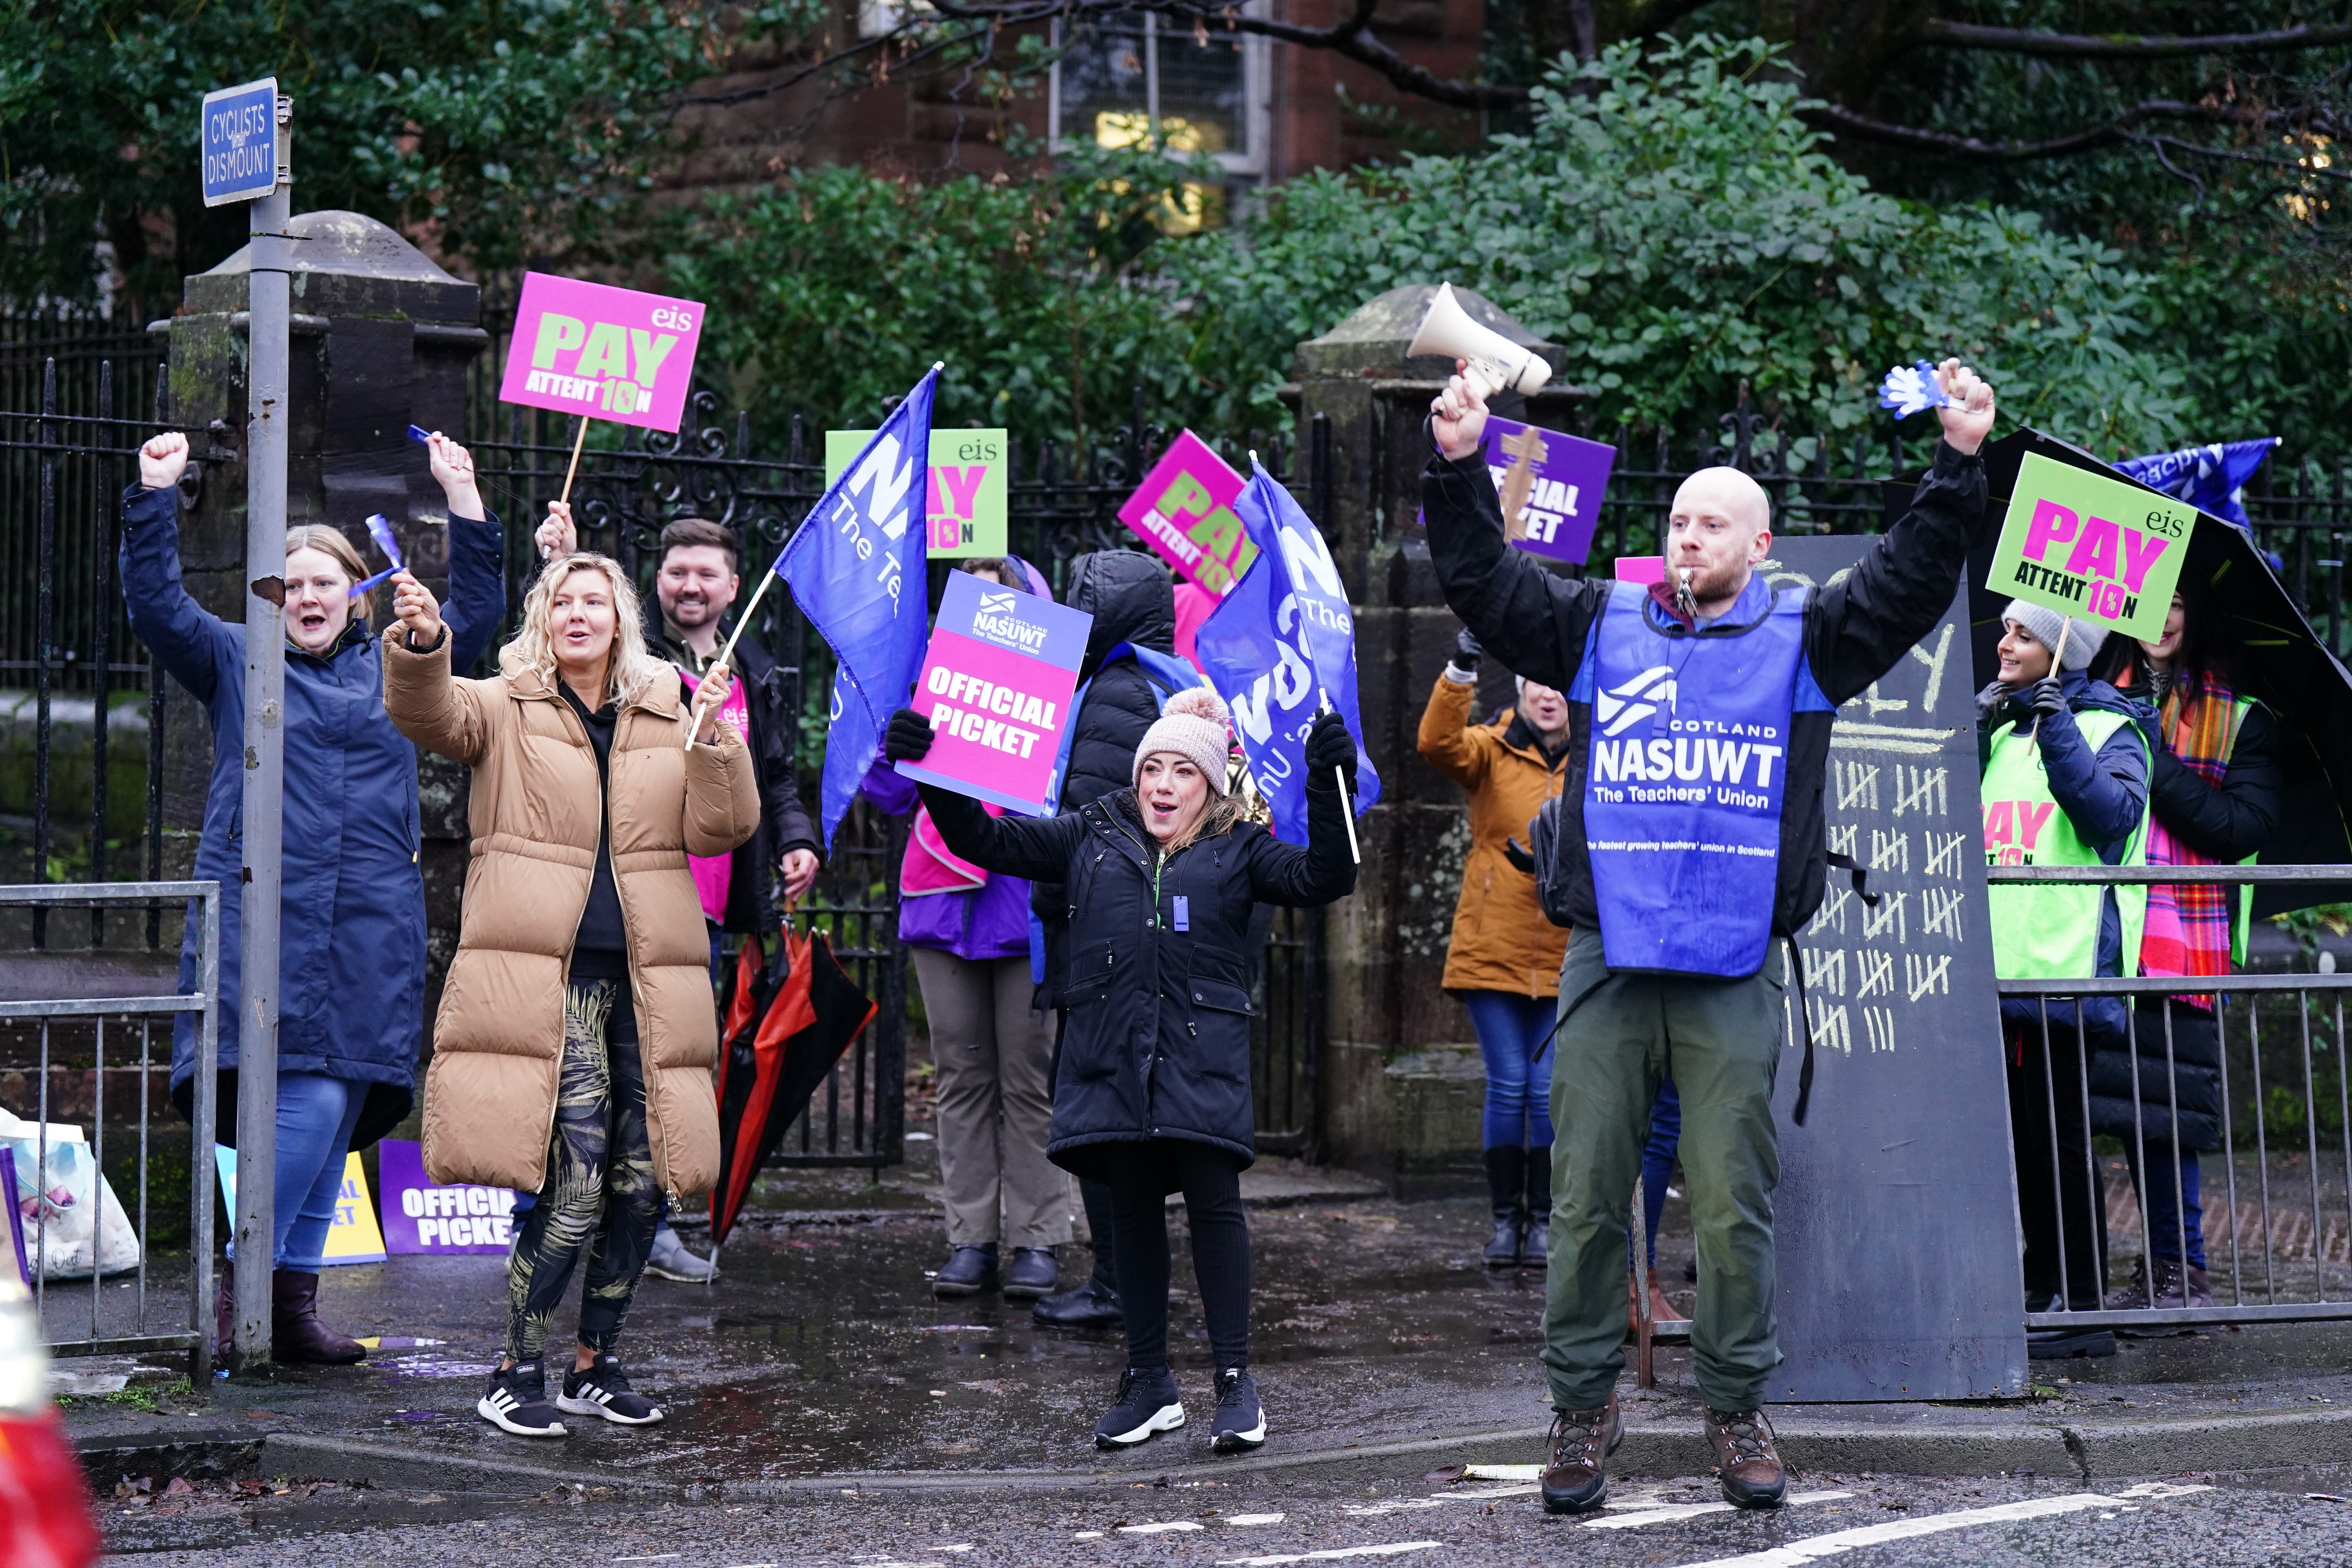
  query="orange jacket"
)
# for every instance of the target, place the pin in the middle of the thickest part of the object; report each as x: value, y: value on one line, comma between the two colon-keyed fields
x: 1502, y: 941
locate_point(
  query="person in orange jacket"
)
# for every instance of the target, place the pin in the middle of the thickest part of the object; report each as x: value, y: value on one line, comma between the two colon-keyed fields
x: 1505, y: 957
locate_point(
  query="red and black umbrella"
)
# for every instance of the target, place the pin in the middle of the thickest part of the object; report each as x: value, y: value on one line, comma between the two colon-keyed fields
x: 788, y: 1022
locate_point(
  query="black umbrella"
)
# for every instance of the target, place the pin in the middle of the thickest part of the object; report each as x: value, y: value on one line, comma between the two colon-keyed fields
x: 2282, y: 661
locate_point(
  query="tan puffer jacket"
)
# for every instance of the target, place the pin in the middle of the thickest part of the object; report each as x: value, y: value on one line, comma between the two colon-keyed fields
x: 490, y: 1095
x: 1502, y: 941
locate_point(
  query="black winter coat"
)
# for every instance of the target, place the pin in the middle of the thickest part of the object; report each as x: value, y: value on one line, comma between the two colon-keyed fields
x: 1157, y: 1040
x: 1857, y: 626
x: 2228, y: 821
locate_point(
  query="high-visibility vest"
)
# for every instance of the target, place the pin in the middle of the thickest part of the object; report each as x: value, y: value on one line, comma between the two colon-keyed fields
x: 2052, y: 931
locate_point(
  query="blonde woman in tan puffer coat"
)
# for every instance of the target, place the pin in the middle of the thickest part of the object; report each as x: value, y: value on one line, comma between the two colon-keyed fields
x: 572, y: 1052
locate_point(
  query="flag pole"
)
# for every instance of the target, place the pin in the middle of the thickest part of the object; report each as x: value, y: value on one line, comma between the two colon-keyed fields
x: 2066, y: 627
x: 1355, y: 849
x: 694, y: 715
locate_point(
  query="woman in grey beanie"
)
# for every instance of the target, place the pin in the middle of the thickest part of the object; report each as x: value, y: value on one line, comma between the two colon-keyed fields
x: 1152, y: 1091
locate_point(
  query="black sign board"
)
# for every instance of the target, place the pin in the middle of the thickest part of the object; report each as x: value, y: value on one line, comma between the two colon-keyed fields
x: 1896, y: 1216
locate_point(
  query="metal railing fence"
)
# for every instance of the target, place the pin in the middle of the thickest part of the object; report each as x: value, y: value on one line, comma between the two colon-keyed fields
x: 51, y: 1031
x: 2284, y: 1207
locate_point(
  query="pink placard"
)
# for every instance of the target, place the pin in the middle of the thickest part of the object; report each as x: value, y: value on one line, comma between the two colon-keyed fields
x: 607, y: 353
x: 996, y: 686
x: 1184, y: 509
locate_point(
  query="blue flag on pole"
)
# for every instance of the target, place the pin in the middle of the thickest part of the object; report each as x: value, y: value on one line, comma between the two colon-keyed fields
x: 856, y: 568
x: 1280, y: 644
x: 2210, y: 478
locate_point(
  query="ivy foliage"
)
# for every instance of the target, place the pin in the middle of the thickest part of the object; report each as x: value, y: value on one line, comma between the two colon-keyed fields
x: 1665, y: 216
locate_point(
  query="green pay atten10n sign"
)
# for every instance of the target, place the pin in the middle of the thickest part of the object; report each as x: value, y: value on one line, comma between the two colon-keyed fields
x: 965, y: 499
x: 2094, y: 548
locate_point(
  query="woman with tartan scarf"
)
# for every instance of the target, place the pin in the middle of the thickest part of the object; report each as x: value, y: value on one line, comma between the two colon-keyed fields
x: 2213, y: 799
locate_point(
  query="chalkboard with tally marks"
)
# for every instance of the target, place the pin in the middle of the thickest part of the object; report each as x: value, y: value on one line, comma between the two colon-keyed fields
x: 1896, y: 1213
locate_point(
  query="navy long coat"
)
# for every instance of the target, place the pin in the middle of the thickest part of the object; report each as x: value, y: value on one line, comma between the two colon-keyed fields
x: 352, y: 919
x: 1156, y: 1039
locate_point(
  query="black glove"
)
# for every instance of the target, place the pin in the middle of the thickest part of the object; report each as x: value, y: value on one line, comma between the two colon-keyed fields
x: 908, y: 737
x: 1329, y: 746
x: 2049, y: 696
x: 1519, y: 856
x: 1466, y: 651
x: 1991, y: 700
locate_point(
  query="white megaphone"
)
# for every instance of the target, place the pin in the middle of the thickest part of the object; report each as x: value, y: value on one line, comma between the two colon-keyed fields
x: 1494, y: 360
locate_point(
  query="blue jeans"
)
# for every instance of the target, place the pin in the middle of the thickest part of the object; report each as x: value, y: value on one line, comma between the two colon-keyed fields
x: 1511, y: 1028
x: 315, y: 1117
x: 2165, y: 1207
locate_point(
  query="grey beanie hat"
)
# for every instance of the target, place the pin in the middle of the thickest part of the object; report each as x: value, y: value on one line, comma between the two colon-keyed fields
x: 1193, y: 726
x: 2083, y: 638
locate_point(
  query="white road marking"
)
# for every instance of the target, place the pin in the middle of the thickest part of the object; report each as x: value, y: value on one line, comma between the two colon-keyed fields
x: 1329, y: 1554
x: 1435, y: 1499
x: 1796, y: 1554
x: 657, y: 1557
x: 1254, y: 1518
x: 1502, y: 1472
x: 1089, y: 1535
x: 1168, y: 1528
x: 966, y: 1547
x: 1667, y: 1513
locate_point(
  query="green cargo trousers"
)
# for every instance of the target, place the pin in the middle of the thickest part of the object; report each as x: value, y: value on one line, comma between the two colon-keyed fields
x: 1620, y: 1035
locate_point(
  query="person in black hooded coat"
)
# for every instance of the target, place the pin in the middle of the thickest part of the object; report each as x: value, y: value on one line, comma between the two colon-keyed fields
x: 1151, y: 1087
x: 1133, y: 602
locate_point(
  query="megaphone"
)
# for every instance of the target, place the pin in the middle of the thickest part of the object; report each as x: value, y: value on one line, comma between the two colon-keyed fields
x: 1494, y: 360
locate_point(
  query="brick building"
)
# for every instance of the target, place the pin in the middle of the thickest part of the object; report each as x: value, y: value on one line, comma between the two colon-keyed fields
x: 1266, y: 109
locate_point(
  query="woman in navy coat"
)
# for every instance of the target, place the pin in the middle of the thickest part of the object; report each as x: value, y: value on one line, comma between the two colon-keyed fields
x: 1152, y: 1090
x: 351, y: 935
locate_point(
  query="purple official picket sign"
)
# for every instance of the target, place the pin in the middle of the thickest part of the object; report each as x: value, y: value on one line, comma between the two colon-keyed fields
x: 607, y: 353
x: 419, y: 1216
x: 996, y: 685
x: 1557, y: 486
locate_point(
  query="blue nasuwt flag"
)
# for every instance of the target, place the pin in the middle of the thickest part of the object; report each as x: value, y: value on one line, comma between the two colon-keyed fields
x: 1279, y: 645
x: 856, y: 568
x: 2211, y: 478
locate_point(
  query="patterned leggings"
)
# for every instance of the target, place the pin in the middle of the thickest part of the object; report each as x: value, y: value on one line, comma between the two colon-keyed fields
x: 600, y: 1196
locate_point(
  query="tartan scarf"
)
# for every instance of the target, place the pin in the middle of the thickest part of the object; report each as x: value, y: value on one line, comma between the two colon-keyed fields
x: 2188, y: 925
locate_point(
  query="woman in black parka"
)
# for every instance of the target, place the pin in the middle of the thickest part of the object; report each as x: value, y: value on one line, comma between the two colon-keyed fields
x: 1152, y: 1093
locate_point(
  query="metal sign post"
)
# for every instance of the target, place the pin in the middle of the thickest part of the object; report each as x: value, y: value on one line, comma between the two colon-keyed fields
x: 247, y: 157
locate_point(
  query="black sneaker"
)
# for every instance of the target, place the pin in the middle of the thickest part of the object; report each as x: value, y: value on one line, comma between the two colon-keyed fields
x: 604, y: 1390
x: 1240, y: 1425
x: 516, y: 1402
x: 1147, y: 1404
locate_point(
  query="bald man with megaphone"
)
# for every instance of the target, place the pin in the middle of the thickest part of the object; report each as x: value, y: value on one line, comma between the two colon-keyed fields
x: 1692, y: 848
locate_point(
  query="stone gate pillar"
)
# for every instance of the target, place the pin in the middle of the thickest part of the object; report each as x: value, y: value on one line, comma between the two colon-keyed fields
x: 1401, y: 1083
x: 382, y: 340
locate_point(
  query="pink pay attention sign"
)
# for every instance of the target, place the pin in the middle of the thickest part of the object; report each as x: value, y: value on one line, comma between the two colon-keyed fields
x: 607, y: 353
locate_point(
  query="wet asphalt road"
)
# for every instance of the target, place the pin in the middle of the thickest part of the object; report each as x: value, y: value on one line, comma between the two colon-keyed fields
x: 2197, y: 1521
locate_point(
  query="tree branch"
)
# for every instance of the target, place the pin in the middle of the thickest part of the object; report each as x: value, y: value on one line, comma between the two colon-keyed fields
x: 2122, y: 47
x: 1837, y: 119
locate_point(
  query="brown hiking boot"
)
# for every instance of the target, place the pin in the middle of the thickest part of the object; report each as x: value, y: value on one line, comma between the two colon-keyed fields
x: 1576, y: 1477
x: 1751, y: 1472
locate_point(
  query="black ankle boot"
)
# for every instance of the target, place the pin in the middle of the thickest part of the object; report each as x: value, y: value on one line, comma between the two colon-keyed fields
x: 1507, y: 1178
x: 1536, y: 1244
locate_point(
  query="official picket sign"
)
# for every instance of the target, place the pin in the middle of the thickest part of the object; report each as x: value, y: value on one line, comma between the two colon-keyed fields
x: 996, y: 685
x: 237, y: 136
x: 966, y: 496
x: 1184, y: 509
x: 592, y: 349
x: 1550, y: 485
x: 2092, y: 547
x: 419, y: 1216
